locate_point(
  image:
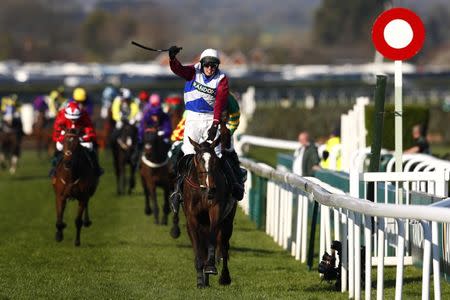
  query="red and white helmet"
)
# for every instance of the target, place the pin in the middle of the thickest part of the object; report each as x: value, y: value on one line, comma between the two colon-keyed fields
x: 72, y: 111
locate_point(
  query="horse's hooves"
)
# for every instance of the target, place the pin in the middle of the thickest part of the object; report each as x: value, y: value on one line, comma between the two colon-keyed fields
x: 59, y: 236
x: 175, y: 232
x: 156, y: 221
x: 87, y: 223
x: 77, y: 243
x: 201, y: 285
x: 164, y: 220
x: 225, y: 280
x: 210, y: 270
x: 148, y: 211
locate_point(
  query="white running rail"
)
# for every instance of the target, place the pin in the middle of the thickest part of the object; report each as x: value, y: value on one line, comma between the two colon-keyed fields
x: 350, y: 213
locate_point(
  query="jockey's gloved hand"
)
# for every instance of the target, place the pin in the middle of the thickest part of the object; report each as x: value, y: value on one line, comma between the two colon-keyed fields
x: 212, y: 131
x: 59, y: 146
x: 173, y: 51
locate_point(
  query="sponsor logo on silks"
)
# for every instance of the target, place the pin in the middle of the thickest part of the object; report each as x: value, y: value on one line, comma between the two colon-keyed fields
x: 204, y: 89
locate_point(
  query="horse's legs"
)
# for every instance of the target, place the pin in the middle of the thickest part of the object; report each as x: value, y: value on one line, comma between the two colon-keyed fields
x: 175, y: 231
x: 224, y: 240
x: 60, y: 225
x: 2, y: 160
x: 199, y: 253
x: 225, y: 278
x: 210, y: 266
x: 87, y: 220
x: 152, y: 192
x: 118, y: 169
x: 13, y: 166
x: 132, y: 182
x: 166, y: 207
x: 147, y: 210
x: 79, y: 219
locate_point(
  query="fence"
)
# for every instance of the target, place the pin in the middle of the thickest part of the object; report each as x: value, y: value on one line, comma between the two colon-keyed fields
x: 289, y: 198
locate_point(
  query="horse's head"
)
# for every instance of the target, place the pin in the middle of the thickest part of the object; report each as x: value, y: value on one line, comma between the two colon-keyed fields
x: 71, y: 142
x: 155, y: 148
x: 127, y: 136
x: 207, y: 164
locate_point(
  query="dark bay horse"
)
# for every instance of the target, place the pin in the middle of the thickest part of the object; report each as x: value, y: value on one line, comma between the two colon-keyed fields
x: 74, y: 179
x: 123, y: 148
x: 210, y: 211
x: 154, y: 172
x: 10, y: 142
x: 42, y: 134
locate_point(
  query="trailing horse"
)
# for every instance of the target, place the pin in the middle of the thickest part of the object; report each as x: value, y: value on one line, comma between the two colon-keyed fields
x: 42, y: 133
x: 124, y: 148
x: 210, y: 211
x: 10, y: 143
x: 154, y: 172
x: 74, y: 179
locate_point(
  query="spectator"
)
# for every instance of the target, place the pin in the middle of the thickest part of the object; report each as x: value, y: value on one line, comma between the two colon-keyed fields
x: 331, y: 145
x: 306, y: 157
x: 420, y: 141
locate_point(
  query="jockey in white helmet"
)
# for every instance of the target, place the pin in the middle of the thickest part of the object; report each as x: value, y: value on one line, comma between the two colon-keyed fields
x: 205, y: 98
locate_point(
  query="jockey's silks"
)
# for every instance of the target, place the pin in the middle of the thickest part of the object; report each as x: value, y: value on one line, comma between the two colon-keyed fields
x: 200, y: 92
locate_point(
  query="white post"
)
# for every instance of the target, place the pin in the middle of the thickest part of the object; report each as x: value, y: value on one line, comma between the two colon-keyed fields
x: 357, y: 264
x: 351, y: 253
x: 344, y: 271
x: 368, y: 255
x: 304, y: 228
x: 436, y: 270
x: 398, y: 116
x: 400, y: 259
x: 426, y: 260
x: 298, y: 238
x: 380, y: 259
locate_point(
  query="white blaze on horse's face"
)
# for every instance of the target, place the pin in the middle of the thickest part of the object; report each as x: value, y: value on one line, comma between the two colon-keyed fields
x: 206, y: 157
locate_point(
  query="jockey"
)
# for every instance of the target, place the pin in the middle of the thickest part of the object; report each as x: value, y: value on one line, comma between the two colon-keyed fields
x: 108, y: 95
x: 173, y: 102
x: 55, y: 102
x: 123, y: 109
x: 205, y: 97
x: 72, y: 116
x: 156, y: 117
x: 143, y: 98
x: 10, y: 113
x: 154, y: 100
x: 80, y: 96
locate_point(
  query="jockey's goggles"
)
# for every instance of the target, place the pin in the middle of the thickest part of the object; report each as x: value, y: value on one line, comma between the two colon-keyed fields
x: 210, y: 65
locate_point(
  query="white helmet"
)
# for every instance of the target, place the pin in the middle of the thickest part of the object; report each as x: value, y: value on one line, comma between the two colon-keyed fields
x: 72, y: 111
x: 210, y: 55
x: 126, y: 93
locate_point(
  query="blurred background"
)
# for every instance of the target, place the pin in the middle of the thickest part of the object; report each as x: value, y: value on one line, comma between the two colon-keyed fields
x: 295, y: 53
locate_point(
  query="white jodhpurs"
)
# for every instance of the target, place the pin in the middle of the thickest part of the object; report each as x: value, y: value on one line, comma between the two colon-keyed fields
x: 196, y: 127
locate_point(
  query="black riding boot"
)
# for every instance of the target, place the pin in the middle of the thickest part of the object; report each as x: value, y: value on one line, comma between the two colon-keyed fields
x: 93, y: 156
x: 237, y: 190
x: 176, y: 197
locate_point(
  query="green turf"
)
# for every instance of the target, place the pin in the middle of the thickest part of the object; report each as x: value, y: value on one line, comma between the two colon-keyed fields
x: 125, y: 256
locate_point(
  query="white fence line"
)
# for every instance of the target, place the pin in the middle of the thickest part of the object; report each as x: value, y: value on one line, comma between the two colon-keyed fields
x: 352, y: 214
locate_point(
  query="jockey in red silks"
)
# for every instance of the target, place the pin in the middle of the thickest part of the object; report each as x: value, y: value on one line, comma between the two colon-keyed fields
x: 205, y: 98
x: 72, y: 116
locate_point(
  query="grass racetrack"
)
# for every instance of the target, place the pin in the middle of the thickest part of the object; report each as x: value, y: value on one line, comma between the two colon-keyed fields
x: 123, y: 255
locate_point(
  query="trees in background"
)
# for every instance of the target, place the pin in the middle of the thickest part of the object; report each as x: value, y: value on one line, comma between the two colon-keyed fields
x: 45, y: 30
